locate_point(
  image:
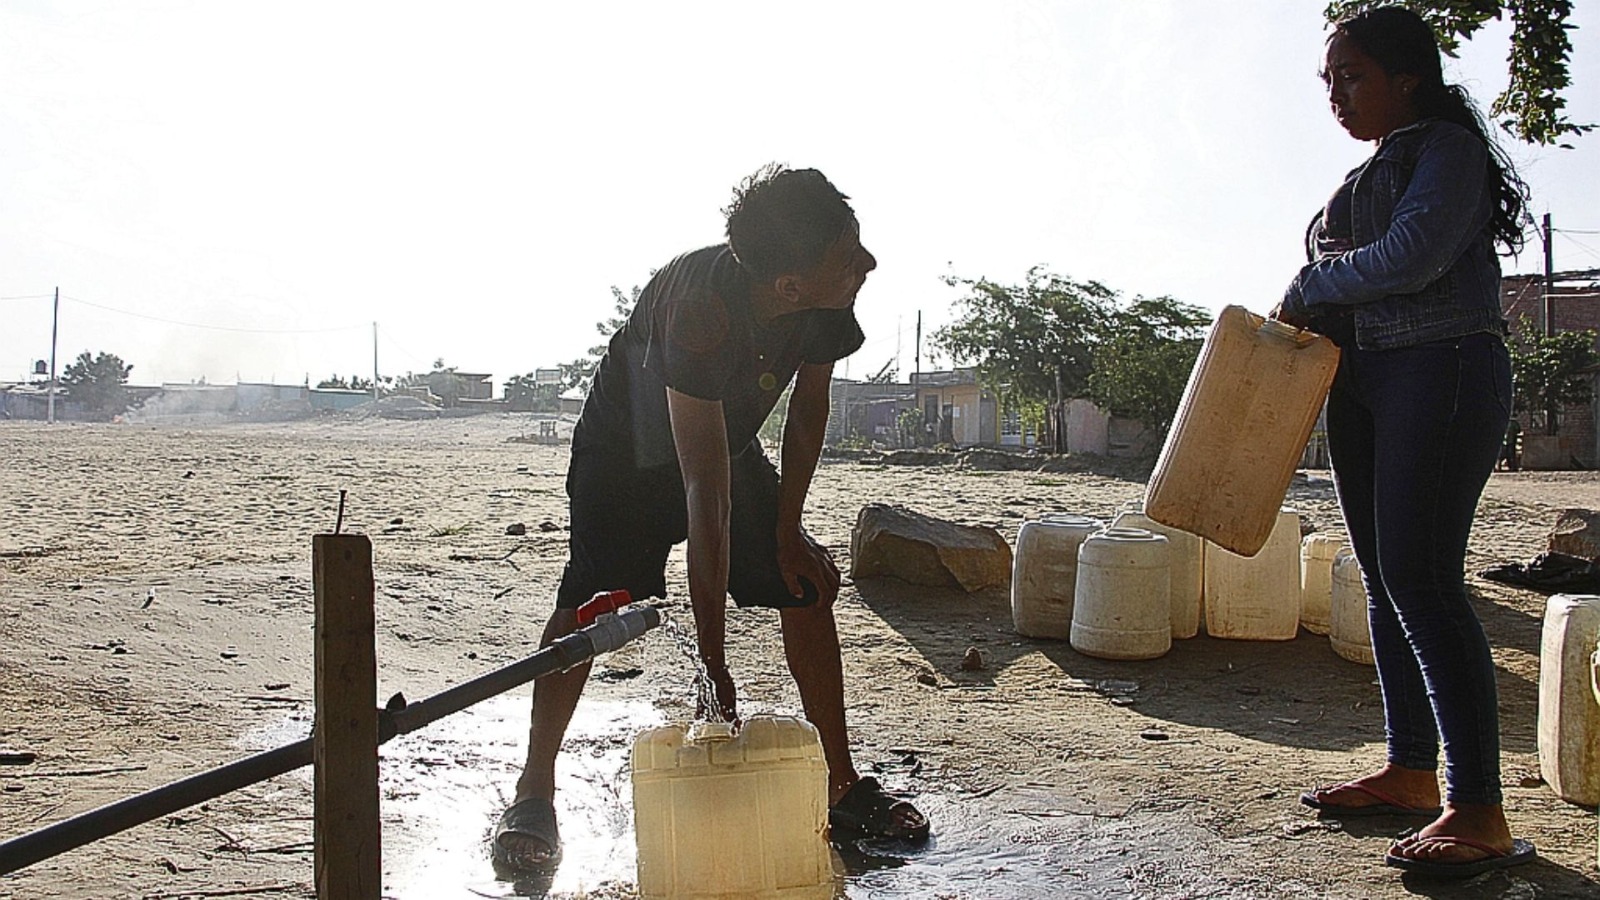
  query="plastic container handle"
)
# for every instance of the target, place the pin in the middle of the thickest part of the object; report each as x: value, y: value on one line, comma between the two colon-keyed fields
x: 602, y: 603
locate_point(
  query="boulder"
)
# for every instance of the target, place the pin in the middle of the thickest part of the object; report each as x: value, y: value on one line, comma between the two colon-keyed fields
x: 895, y: 541
x: 1576, y: 533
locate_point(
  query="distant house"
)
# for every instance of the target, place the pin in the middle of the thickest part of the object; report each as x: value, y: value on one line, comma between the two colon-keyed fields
x: 867, y: 411
x: 252, y: 396
x: 959, y: 410
x: 337, y: 399
x: 452, y: 387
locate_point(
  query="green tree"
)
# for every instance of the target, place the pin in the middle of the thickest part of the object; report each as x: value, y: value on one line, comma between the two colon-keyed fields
x: 1052, y: 339
x: 579, y: 372
x: 339, y: 382
x: 1143, y: 364
x: 1531, y: 105
x: 1551, y: 372
x: 98, y: 383
x: 1032, y: 343
x: 524, y: 393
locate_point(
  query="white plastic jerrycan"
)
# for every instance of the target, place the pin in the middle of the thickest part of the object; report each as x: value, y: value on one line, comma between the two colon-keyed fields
x: 1250, y: 404
x: 725, y: 814
x: 1044, y: 574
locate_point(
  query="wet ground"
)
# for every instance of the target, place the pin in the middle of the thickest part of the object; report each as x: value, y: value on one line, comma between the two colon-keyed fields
x: 443, y: 786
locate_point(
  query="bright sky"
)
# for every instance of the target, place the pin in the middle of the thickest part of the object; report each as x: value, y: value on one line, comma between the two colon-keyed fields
x: 474, y: 177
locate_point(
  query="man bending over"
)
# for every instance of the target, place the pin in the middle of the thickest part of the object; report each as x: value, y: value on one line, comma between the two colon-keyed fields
x: 666, y: 450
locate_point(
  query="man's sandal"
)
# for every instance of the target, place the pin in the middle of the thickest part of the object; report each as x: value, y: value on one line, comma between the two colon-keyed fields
x: 866, y: 811
x: 533, y: 818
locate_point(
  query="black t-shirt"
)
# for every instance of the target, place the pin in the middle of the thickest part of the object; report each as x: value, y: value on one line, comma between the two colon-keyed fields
x: 1333, y: 235
x: 693, y: 330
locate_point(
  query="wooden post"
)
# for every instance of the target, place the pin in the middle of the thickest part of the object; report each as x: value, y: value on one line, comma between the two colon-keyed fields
x: 346, y: 830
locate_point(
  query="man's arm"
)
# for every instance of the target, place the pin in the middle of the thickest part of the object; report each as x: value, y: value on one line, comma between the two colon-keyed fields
x: 803, y: 431
x: 701, y: 436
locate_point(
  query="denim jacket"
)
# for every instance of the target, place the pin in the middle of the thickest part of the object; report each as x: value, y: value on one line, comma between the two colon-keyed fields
x: 1424, y: 266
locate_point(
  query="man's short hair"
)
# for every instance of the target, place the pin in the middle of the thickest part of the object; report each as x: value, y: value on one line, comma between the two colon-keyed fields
x: 783, y: 220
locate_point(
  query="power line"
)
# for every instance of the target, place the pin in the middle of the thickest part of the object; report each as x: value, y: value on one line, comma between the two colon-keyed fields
x: 207, y: 326
x: 1585, y: 247
x: 1576, y: 230
x: 28, y: 297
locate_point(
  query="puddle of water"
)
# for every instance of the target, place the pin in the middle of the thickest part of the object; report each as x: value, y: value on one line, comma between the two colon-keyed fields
x: 445, y: 785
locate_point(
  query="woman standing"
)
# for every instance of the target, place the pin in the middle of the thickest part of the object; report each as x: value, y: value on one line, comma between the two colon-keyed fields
x: 1404, y: 277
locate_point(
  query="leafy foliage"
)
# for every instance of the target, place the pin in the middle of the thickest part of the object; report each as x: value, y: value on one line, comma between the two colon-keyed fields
x: 98, y: 383
x: 1052, y: 338
x: 1551, y: 372
x: 1531, y: 105
x: 354, y: 383
x: 524, y: 393
x: 580, y: 371
x: 1033, y: 343
x: 1143, y: 363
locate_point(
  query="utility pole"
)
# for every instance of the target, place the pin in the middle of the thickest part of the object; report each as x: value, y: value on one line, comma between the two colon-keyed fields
x: 1549, y: 274
x: 374, y: 362
x: 55, y: 323
x: 916, y: 362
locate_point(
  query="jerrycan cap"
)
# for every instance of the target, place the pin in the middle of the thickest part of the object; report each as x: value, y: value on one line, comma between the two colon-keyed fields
x: 717, y: 732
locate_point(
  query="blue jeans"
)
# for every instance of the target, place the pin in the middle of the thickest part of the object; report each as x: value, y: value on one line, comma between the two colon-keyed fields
x: 1413, y: 434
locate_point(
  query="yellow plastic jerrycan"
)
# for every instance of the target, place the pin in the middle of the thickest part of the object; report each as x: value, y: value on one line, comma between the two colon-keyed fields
x: 1249, y: 407
x: 724, y: 813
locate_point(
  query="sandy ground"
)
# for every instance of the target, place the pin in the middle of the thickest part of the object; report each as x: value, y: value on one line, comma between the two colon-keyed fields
x: 155, y: 612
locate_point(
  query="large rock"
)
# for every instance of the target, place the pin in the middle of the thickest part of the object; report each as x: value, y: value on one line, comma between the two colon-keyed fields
x: 1577, y: 533
x: 895, y: 541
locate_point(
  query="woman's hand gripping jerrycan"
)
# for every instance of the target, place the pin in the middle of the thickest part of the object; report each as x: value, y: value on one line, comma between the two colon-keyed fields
x: 1247, y: 411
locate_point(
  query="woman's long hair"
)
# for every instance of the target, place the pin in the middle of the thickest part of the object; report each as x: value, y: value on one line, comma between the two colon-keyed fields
x: 1403, y: 44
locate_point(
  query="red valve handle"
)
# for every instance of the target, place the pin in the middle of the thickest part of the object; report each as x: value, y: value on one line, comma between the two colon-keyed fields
x: 602, y: 603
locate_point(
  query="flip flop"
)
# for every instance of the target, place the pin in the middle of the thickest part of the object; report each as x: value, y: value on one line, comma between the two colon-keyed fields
x: 866, y: 811
x: 1386, y: 805
x: 534, y: 818
x: 1521, y: 851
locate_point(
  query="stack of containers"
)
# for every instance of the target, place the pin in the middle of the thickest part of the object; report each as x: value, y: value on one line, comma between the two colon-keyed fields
x: 1044, y: 573
x: 1187, y: 555
x: 1123, y: 606
x: 1256, y: 598
x: 1569, y: 717
x: 1351, y: 632
x: 1316, y: 581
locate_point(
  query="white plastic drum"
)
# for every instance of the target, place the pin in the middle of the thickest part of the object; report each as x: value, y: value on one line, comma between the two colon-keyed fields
x: 1123, y: 608
x: 1256, y: 598
x: 1044, y: 574
x: 1316, y: 581
x: 1188, y: 557
x: 1350, y: 634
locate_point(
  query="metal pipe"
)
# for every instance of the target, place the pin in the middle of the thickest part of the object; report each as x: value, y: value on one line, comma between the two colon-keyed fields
x: 607, y: 634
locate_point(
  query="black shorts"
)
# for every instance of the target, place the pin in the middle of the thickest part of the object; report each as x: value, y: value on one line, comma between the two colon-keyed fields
x: 626, y: 520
